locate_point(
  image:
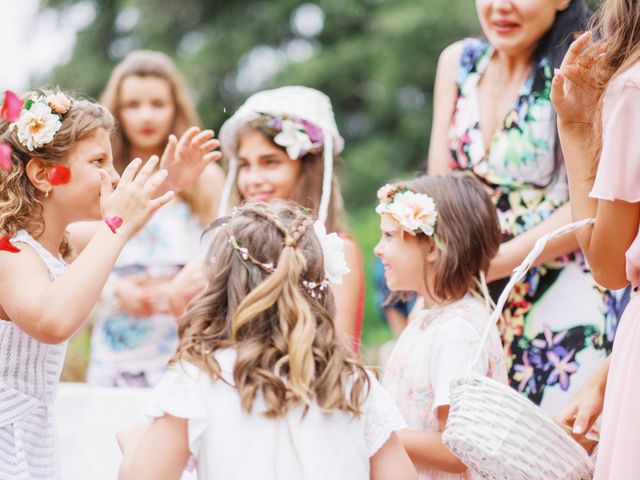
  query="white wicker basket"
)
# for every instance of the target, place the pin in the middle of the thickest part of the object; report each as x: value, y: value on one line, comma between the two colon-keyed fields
x: 497, y: 432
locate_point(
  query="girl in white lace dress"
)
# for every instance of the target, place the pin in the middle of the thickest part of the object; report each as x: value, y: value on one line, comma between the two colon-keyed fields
x: 261, y: 386
x: 59, y: 170
x: 433, y: 244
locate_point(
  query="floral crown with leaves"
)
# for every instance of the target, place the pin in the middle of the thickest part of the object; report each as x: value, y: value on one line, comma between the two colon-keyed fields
x: 414, y: 212
x: 298, y: 136
x: 40, y: 119
x: 334, y: 258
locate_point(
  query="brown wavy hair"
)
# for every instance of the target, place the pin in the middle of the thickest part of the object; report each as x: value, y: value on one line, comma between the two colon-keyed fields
x: 308, y: 188
x: 467, y: 230
x: 20, y: 201
x: 148, y: 63
x: 285, y: 338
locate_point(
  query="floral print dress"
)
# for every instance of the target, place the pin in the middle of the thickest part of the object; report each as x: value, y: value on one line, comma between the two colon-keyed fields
x: 128, y: 351
x: 558, y: 324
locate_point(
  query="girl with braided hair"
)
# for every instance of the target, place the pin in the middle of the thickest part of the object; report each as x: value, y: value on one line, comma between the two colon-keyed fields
x: 259, y: 368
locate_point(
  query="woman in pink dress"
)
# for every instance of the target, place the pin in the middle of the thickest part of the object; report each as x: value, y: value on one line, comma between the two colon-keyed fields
x: 596, y: 94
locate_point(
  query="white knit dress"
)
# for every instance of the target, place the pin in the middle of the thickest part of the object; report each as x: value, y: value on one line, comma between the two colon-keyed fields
x: 29, y: 376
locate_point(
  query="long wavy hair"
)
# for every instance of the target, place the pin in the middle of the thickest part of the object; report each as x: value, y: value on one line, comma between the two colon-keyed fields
x: 616, y: 23
x: 20, y: 202
x: 148, y: 63
x: 285, y: 338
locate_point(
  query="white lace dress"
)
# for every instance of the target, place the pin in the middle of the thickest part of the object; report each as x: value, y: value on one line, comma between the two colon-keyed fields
x: 226, y: 442
x: 29, y: 375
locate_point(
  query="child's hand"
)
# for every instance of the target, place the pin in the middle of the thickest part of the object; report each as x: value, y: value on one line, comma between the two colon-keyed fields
x: 132, y: 200
x: 185, y: 159
x: 575, y: 90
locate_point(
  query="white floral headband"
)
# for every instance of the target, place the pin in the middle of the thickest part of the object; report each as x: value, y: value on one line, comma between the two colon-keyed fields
x: 297, y: 135
x: 414, y: 212
x: 334, y: 259
x: 40, y: 119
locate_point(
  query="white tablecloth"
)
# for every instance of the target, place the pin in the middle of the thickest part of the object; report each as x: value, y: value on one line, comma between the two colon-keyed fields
x: 88, y: 418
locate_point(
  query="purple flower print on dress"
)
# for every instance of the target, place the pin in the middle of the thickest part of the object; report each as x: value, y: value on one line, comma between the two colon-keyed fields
x: 525, y: 374
x: 564, y: 367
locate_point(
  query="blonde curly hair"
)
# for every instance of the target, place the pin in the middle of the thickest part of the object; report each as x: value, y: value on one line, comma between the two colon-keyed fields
x: 20, y: 201
x: 285, y: 339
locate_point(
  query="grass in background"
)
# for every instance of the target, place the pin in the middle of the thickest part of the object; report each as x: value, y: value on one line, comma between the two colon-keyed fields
x: 364, y: 224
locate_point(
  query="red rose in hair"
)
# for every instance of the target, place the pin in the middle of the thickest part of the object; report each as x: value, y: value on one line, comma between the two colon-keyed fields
x: 59, y: 175
x: 5, y: 157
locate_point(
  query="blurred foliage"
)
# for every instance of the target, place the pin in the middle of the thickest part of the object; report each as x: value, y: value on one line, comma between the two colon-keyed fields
x: 376, y: 59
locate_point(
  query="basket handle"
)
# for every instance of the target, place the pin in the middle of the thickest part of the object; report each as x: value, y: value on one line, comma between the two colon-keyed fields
x: 520, y: 272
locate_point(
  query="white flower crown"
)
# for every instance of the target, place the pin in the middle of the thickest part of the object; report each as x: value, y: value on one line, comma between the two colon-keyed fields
x: 414, y: 212
x: 40, y: 119
x: 334, y: 259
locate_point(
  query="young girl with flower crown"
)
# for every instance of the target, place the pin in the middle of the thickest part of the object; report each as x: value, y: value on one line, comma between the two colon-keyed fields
x: 58, y: 170
x: 280, y: 144
x: 260, y: 369
x: 436, y: 246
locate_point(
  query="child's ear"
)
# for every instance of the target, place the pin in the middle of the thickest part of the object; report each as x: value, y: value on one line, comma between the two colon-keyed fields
x: 37, y: 172
x: 432, y: 250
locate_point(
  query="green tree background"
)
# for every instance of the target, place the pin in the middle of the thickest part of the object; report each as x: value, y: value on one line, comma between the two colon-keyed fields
x: 376, y: 59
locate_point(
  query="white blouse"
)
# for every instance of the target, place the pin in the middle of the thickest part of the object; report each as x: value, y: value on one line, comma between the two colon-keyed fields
x: 226, y: 442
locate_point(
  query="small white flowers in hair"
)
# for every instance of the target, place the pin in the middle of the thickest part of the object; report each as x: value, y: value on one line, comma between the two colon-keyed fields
x: 40, y: 119
x: 335, y: 261
x: 294, y: 139
x: 414, y: 212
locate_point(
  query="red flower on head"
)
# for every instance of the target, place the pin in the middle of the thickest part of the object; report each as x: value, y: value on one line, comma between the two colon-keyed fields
x: 7, y: 246
x: 5, y: 157
x: 11, y: 107
x: 59, y: 175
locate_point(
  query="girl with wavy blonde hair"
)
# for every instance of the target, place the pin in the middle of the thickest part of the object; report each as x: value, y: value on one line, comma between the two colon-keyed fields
x: 260, y: 369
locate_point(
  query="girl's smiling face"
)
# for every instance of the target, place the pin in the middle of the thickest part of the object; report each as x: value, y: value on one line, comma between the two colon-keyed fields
x: 402, y: 256
x: 265, y: 171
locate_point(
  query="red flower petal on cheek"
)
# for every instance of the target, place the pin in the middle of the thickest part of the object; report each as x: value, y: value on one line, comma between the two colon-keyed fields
x: 11, y: 107
x: 114, y: 223
x: 7, y: 246
x: 59, y: 175
x: 5, y: 157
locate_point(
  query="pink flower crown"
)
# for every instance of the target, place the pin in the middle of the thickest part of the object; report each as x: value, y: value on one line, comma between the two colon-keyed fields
x: 298, y: 136
x: 414, y: 212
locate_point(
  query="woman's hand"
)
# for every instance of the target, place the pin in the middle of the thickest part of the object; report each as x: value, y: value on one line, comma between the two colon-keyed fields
x: 575, y: 90
x: 185, y: 159
x: 586, y: 406
x: 132, y: 200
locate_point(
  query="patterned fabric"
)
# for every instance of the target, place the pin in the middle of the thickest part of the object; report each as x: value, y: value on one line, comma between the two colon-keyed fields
x: 415, y: 364
x: 29, y: 376
x: 132, y: 351
x: 559, y: 324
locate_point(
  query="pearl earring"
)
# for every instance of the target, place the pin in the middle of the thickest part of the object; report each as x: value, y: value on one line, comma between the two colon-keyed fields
x: 46, y: 194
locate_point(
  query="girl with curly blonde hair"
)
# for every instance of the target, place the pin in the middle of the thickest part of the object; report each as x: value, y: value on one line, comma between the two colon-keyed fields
x: 260, y: 369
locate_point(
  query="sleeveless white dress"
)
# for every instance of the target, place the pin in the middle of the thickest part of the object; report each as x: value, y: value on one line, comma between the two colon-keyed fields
x: 29, y: 376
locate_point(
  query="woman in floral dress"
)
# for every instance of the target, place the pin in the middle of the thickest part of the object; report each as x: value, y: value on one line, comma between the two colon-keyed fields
x: 493, y: 117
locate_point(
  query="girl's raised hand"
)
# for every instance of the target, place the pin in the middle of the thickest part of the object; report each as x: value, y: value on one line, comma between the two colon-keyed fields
x: 575, y: 90
x: 132, y: 200
x: 185, y: 159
